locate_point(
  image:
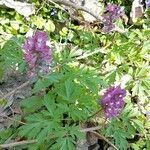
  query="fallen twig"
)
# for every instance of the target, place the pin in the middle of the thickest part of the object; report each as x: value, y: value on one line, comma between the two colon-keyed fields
x: 9, y: 145
x: 85, y: 9
x: 91, y: 129
x: 105, y: 139
x: 18, y: 88
x: 35, y: 141
x: 76, y: 7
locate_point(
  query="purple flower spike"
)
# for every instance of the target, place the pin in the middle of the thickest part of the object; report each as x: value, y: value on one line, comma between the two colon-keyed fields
x: 37, y: 54
x: 110, y: 16
x: 113, y: 101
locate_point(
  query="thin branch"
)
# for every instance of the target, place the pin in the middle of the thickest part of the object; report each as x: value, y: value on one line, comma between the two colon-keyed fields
x: 91, y: 129
x: 9, y: 145
x: 85, y: 9
x: 15, y: 90
x: 76, y: 7
x: 105, y: 139
x: 62, y: 8
x: 35, y: 141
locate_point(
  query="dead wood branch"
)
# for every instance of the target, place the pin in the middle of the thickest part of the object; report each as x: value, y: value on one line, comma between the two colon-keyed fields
x: 76, y: 7
x: 91, y: 129
x: 105, y: 139
x: 85, y: 9
x: 9, y: 145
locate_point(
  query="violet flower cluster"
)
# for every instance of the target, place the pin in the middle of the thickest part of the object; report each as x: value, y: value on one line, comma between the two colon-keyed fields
x: 110, y: 16
x: 37, y: 54
x: 113, y: 101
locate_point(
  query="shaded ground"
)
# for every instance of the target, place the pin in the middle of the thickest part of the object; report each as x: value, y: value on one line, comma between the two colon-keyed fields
x: 10, y: 105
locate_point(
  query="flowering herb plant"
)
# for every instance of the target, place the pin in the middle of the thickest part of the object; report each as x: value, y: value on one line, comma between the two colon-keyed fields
x: 112, y: 13
x: 37, y: 54
x: 113, y: 101
x: 68, y: 78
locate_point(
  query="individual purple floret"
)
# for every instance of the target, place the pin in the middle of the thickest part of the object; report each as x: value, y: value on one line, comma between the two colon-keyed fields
x: 37, y: 54
x: 113, y: 101
x: 110, y: 16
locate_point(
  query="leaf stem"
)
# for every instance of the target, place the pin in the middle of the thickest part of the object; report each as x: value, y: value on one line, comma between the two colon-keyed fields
x: 99, y: 110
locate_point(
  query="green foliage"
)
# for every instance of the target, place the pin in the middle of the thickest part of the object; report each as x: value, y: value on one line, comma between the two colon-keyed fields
x: 11, y: 55
x: 31, y: 104
x: 55, y: 115
x: 4, y: 135
x: 124, y: 128
x: 85, y: 62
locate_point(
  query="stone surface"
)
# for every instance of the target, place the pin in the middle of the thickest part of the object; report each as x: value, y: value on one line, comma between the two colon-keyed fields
x: 22, y: 8
x: 93, y: 6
